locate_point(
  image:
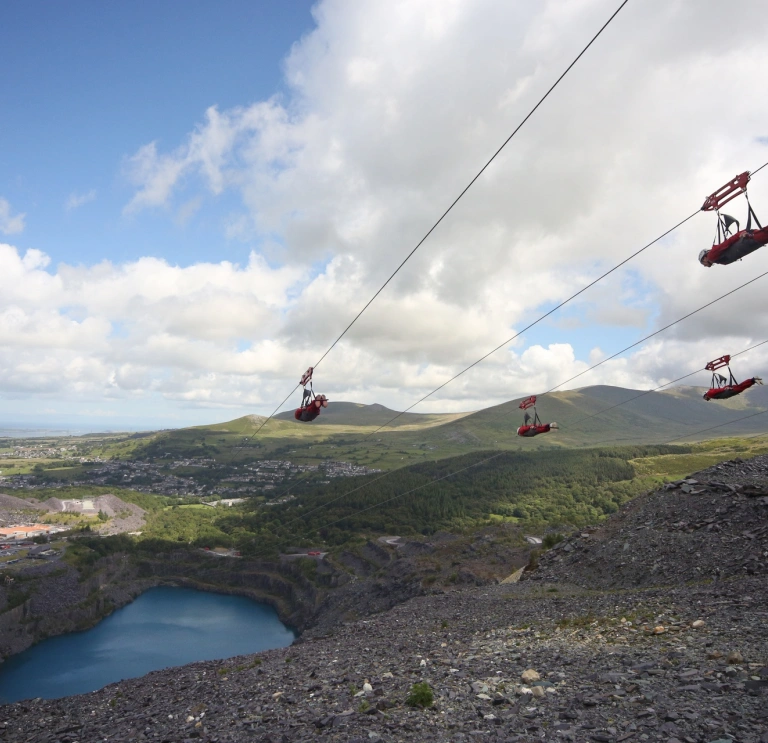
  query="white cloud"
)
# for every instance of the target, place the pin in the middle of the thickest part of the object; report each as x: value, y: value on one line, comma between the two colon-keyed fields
x: 10, y: 224
x: 76, y: 200
x: 219, y: 336
x: 392, y: 106
x: 127, y: 327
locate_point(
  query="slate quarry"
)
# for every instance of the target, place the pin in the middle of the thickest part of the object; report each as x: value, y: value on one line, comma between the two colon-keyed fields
x: 652, y: 627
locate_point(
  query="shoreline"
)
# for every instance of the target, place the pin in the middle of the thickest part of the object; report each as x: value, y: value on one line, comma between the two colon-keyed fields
x: 61, y: 602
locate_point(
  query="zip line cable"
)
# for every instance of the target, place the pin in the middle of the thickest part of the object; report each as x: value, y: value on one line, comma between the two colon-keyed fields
x: 648, y: 392
x: 704, y: 430
x: 413, y: 490
x: 661, y: 330
x: 516, y: 335
x: 528, y: 327
x: 712, y: 428
x: 479, y: 173
x: 344, y: 495
x: 657, y: 332
x: 386, y: 474
x: 456, y: 200
x: 543, y: 317
x: 594, y: 366
x: 554, y: 309
x: 266, y: 420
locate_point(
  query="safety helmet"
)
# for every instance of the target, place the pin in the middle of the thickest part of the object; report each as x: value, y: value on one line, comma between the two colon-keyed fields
x: 702, y: 255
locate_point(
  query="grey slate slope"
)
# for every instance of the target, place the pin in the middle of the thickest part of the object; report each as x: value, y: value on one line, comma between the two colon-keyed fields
x: 712, y: 525
x: 637, y: 659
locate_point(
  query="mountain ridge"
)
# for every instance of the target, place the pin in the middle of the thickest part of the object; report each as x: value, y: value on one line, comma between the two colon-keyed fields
x: 691, y: 397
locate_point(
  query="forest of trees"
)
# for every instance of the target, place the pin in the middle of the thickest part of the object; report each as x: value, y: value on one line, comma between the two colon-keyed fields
x: 537, y: 490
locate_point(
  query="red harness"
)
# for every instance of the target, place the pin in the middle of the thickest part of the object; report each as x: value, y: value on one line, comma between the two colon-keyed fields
x: 737, y: 246
x: 308, y: 413
x: 730, y: 390
x: 537, y: 427
x: 533, y: 430
x: 744, y: 242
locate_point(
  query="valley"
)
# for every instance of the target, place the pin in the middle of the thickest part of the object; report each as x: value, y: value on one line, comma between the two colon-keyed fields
x: 305, y: 518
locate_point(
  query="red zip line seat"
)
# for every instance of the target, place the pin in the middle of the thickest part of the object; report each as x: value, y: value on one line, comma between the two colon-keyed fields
x: 311, y: 404
x: 533, y: 426
x: 731, y: 247
x: 722, y: 388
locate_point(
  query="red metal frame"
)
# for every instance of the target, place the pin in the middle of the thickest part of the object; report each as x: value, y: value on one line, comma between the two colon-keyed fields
x: 307, y: 376
x: 718, y: 363
x: 528, y: 403
x: 724, y: 194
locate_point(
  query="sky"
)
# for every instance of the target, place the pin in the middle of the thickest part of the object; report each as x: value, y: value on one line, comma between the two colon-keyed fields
x: 196, y: 200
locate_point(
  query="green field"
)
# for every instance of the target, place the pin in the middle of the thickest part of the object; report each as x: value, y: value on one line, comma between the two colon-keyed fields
x: 703, y: 455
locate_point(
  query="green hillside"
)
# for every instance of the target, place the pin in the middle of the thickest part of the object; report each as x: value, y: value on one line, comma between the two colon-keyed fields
x: 533, y: 490
x: 357, y: 414
x: 575, y: 487
x: 349, y: 429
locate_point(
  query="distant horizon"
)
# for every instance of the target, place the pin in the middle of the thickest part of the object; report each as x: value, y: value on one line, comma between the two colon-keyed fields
x: 32, y: 432
x: 40, y: 427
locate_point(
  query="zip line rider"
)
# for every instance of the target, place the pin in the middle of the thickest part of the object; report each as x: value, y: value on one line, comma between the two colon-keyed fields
x: 728, y: 247
x: 311, y: 404
x: 529, y: 429
x: 722, y: 388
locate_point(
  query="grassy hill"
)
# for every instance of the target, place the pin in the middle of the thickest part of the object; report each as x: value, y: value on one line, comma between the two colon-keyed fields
x: 357, y: 414
x: 587, y: 417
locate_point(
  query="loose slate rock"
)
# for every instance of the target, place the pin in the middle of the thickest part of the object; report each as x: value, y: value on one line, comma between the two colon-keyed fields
x: 597, y: 677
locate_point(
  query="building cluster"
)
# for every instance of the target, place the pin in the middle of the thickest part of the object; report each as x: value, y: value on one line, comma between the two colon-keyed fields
x: 147, y: 478
x: 41, y: 452
x: 280, y: 501
x: 277, y: 470
x: 347, y: 469
x: 266, y: 475
x: 227, y: 481
x: 141, y: 476
x: 21, y: 532
x: 193, y: 462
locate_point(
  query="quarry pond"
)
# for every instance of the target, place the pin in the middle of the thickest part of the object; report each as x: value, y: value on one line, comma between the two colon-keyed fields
x: 163, y: 627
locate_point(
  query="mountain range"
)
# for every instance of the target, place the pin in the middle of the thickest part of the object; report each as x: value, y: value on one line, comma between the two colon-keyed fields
x: 597, y: 415
x: 584, y: 416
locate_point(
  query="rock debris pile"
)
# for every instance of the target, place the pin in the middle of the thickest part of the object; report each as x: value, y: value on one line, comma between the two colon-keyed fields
x: 713, y: 524
x: 562, y: 658
x: 17, y: 510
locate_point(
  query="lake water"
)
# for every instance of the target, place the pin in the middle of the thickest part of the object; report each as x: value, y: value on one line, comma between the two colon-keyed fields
x: 163, y: 627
